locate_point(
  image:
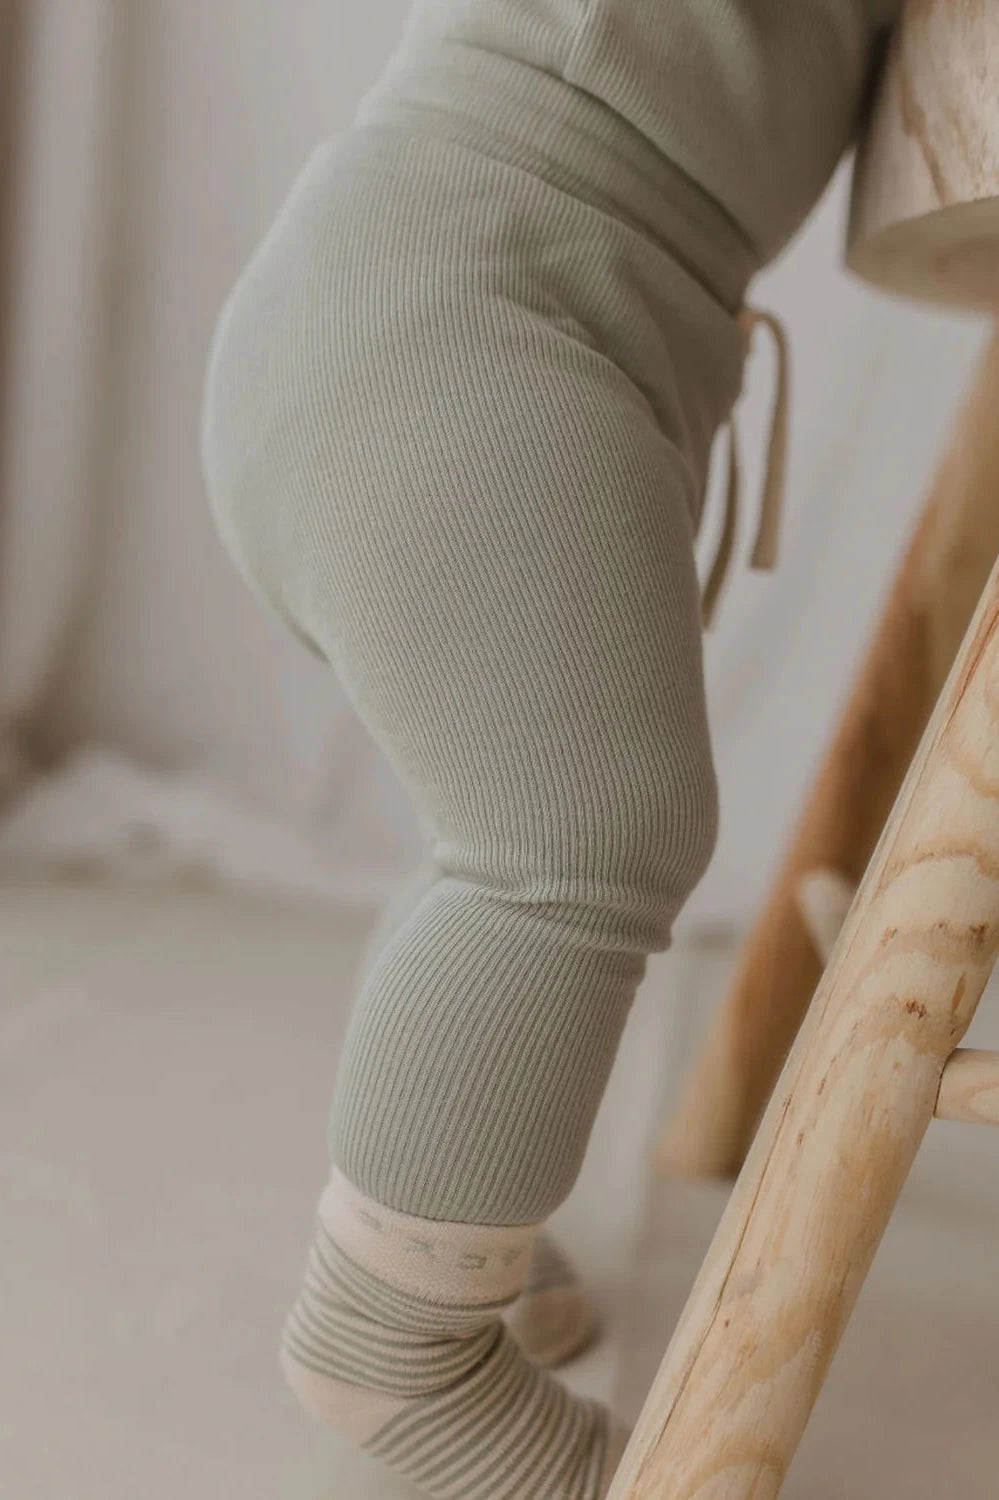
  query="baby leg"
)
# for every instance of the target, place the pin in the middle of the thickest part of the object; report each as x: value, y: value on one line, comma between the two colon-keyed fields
x: 457, y: 420
x: 552, y: 1319
x: 422, y: 454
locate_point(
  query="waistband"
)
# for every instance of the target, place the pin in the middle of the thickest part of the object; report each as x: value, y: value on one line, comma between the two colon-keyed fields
x: 517, y: 113
x: 511, y: 111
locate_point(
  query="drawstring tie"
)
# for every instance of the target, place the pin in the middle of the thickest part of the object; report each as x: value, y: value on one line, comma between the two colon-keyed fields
x: 764, y: 554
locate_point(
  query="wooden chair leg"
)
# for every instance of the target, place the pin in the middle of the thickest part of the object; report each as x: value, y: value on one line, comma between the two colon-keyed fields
x: 857, y: 1093
x: 932, y: 600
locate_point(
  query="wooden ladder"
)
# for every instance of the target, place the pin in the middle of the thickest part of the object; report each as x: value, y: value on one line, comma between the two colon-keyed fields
x: 874, y: 1038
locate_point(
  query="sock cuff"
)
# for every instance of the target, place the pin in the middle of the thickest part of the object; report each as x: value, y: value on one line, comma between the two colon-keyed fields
x: 433, y: 1259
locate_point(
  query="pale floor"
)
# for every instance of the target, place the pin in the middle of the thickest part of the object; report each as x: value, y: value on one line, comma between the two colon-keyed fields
x: 165, y: 1068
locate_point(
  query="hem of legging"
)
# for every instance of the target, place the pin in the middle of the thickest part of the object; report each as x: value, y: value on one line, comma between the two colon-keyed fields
x: 457, y: 1259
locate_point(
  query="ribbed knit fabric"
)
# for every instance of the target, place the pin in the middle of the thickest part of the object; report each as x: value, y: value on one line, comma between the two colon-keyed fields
x: 457, y: 423
x: 754, y: 100
x: 458, y: 418
x: 446, y: 439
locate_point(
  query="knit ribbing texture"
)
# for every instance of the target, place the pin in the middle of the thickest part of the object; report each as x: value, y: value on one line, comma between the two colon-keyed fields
x: 457, y: 426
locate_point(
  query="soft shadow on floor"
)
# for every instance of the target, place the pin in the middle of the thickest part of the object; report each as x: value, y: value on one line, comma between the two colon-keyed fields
x: 166, y: 1061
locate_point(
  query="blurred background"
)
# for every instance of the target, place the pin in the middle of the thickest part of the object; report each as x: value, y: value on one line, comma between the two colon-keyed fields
x: 147, y: 149
x: 169, y: 1028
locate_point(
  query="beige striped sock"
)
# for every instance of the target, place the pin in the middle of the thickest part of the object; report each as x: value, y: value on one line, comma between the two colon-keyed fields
x: 552, y: 1319
x: 397, y: 1341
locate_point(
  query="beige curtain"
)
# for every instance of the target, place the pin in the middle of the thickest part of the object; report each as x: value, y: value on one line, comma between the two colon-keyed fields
x: 57, y: 184
x: 149, y: 147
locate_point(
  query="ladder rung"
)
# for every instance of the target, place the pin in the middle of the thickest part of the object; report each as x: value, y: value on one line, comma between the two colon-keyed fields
x: 969, y: 1087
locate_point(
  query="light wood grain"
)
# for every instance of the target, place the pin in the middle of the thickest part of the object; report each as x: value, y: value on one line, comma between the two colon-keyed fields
x: 969, y: 1088
x: 930, y: 604
x: 824, y: 897
x: 924, y: 217
x: 752, y: 1348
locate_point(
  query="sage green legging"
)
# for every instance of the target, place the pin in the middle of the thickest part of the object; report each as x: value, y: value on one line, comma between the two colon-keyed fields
x: 457, y: 423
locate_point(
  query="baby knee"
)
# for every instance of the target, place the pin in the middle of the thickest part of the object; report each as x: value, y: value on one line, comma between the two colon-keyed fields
x: 683, y: 831
x: 626, y: 853
x: 661, y: 851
